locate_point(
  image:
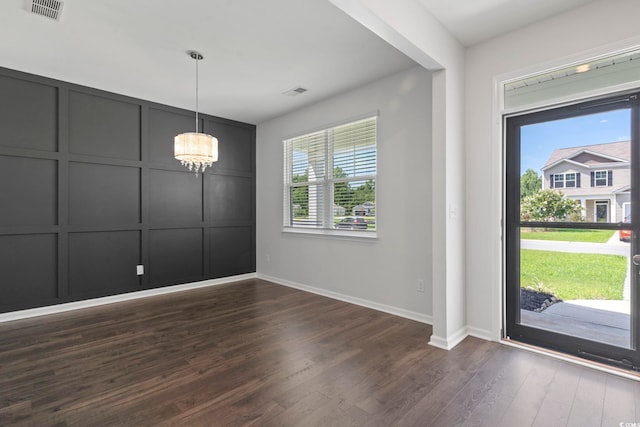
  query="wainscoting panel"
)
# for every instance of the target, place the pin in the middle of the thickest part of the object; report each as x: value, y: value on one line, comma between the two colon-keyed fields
x: 233, y: 157
x: 231, y: 251
x: 28, y: 191
x: 176, y: 256
x: 29, y: 266
x: 175, y: 197
x: 164, y: 126
x: 28, y: 114
x: 230, y: 198
x: 103, y: 263
x: 103, y: 127
x: 103, y: 194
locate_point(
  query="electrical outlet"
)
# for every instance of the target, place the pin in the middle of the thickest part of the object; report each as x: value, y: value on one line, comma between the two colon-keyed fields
x: 420, y: 287
x: 268, y: 257
x: 140, y: 270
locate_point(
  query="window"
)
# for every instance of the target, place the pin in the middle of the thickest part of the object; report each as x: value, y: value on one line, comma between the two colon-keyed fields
x: 565, y: 180
x: 330, y: 178
x: 558, y: 180
x: 601, y: 178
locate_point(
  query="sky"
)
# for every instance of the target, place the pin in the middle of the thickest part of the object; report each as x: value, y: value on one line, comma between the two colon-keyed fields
x: 539, y: 140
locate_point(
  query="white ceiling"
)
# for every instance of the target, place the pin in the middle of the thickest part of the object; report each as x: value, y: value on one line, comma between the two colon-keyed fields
x: 254, y: 49
x: 475, y: 21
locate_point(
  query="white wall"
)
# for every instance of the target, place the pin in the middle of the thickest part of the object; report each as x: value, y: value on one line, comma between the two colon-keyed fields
x: 594, y: 28
x: 383, y: 271
x: 408, y: 26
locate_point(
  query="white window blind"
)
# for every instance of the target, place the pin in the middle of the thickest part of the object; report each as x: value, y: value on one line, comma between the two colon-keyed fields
x: 330, y: 178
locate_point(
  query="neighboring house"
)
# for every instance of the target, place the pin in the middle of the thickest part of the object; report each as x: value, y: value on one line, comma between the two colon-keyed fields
x: 365, y: 209
x: 339, y: 210
x: 598, y: 176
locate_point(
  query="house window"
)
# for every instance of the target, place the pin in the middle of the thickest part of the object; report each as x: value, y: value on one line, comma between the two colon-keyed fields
x: 601, y: 178
x: 570, y: 180
x: 558, y: 180
x: 565, y: 180
x: 330, y: 178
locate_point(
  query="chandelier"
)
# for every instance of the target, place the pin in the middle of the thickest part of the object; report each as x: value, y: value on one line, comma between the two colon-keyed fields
x: 195, y: 150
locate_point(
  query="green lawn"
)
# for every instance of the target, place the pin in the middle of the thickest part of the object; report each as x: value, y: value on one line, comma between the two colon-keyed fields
x: 593, y: 236
x: 573, y: 276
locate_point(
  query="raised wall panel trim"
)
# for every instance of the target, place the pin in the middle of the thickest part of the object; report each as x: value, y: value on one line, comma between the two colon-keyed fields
x: 112, y: 151
x: 401, y: 312
x: 78, y: 305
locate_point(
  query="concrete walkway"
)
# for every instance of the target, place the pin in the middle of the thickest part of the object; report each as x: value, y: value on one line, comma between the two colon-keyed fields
x: 577, y: 247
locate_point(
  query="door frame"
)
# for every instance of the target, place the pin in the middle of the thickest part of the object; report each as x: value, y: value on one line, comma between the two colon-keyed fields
x: 626, y: 210
x: 619, y: 356
x: 605, y: 203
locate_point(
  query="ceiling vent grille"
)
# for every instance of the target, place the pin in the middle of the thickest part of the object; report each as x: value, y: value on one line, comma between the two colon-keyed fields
x: 295, y: 91
x: 48, y: 8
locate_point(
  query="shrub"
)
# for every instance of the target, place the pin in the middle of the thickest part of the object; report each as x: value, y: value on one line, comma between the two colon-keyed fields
x: 548, y: 206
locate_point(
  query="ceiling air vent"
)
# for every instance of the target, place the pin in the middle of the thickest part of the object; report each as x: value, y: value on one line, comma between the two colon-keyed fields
x: 48, y: 8
x: 295, y: 91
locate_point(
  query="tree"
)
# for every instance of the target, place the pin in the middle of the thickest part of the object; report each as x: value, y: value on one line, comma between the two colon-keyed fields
x: 341, y: 190
x: 549, y: 205
x: 530, y: 183
x: 364, y: 193
x: 300, y: 196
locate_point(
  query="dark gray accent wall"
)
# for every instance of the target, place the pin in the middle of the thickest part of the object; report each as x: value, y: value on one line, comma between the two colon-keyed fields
x: 89, y: 189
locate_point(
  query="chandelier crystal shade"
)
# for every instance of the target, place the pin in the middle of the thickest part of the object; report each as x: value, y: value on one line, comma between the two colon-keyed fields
x: 196, y: 151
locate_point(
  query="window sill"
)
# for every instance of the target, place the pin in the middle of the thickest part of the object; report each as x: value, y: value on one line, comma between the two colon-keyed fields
x: 324, y: 232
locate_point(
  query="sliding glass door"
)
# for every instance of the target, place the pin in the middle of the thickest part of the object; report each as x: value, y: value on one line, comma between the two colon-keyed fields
x: 572, y: 180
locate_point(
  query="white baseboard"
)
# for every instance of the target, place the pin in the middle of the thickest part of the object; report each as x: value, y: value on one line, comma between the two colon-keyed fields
x: 401, y: 312
x: 483, y: 334
x: 76, y: 305
x: 451, y: 341
x: 436, y: 341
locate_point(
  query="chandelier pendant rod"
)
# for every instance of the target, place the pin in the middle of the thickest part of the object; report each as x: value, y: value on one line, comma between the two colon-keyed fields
x: 197, y: 57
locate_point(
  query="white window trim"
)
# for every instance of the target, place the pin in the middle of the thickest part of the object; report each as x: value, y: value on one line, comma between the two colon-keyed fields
x: 565, y: 180
x: 556, y: 182
x: 574, y: 180
x: 606, y: 178
x: 328, y: 183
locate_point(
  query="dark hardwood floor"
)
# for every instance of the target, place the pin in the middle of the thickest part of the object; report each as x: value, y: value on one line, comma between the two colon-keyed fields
x: 256, y: 353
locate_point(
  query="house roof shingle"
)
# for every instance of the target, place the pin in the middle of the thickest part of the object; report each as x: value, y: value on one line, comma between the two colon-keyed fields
x: 620, y: 150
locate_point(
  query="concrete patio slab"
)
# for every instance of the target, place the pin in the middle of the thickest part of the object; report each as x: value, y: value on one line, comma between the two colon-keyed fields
x: 580, y: 321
